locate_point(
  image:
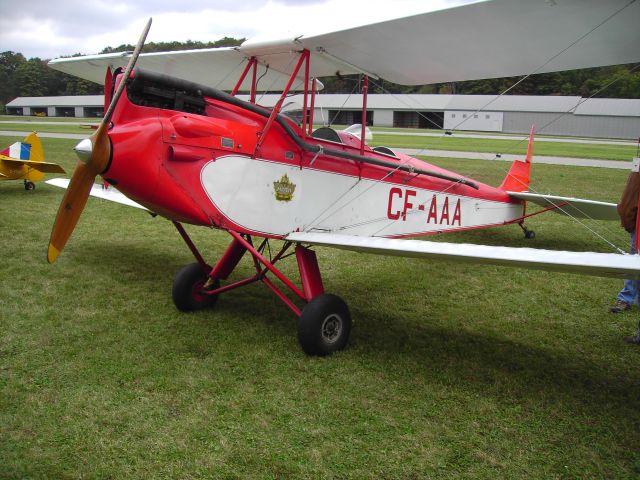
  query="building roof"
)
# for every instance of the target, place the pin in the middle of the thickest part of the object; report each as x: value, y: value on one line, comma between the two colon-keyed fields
x: 615, y: 107
x: 62, y: 101
x: 491, y: 103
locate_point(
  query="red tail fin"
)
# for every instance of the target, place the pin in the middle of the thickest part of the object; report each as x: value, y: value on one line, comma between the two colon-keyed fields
x: 517, y: 180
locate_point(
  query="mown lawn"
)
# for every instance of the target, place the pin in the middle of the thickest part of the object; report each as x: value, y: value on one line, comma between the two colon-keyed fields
x: 507, y: 146
x: 452, y: 370
x: 23, y: 127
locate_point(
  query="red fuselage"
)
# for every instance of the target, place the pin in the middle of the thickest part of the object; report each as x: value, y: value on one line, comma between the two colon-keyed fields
x: 172, y: 145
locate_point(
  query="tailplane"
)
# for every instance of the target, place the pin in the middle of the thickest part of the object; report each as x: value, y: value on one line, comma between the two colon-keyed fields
x: 517, y: 180
x: 30, y: 149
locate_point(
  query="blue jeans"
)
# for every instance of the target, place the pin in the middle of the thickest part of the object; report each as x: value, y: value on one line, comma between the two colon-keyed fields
x: 629, y: 292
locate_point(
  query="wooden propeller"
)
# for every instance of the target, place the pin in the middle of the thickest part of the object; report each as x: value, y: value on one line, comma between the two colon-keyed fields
x: 94, y: 156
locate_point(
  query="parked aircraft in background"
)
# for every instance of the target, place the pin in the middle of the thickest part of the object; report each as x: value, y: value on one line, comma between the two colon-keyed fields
x: 25, y: 161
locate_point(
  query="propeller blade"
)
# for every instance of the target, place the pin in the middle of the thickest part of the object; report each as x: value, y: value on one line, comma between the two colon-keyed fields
x: 127, y: 72
x: 70, y: 209
x: 95, y: 156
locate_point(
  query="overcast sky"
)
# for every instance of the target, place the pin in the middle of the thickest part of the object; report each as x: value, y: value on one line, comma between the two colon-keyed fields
x: 52, y: 28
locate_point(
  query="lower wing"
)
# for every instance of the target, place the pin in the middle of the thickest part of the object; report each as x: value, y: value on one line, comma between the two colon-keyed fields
x: 586, y: 263
x: 111, y: 194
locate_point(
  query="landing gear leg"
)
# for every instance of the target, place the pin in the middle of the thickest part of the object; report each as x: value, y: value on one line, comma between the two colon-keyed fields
x: 324, y: 323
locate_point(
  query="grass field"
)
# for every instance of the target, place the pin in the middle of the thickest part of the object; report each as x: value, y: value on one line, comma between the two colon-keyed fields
x: 509, y: 145
x: 21, y: 127
x: 452, y: 371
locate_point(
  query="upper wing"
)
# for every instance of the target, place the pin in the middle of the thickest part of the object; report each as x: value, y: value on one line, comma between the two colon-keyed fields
x: 492, y: 39
x: 111, y: 193
x: 588, y: 263
x: 45, y: 167
x: 212, y: 67
x: 574, y: 207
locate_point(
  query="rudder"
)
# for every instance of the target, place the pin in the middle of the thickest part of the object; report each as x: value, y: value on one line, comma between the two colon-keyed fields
x: 519, y: 175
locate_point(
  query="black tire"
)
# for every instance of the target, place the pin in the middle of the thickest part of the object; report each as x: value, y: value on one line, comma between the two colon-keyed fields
x: 529, y: 234
x: 186, y: 289
x: 29, y: 186
x: 324, y: 325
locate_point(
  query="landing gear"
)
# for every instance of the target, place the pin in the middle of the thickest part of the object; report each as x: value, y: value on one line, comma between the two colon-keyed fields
x: 324, y: 325
x: 187, y: 289
x: 28, y: 186
x: 528, y: 234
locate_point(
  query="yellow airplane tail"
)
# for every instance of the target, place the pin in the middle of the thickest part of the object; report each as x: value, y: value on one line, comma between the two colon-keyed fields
x: 30, y: 149
x: 36, y: 152
x: 25, y: 161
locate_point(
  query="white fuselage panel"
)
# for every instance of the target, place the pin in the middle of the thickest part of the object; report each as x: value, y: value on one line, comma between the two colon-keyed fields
x: 276, y: 198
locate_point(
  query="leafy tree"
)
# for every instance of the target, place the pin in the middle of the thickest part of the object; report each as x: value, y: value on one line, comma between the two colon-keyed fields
x: 173, y: 46
x: 9, y: 62
x: 31, y: 78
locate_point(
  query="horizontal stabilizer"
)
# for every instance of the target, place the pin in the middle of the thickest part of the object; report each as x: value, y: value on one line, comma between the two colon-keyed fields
x: 44, y: 167
x: 573, y: 207
x: 111, y: 193
x: 586, y: 263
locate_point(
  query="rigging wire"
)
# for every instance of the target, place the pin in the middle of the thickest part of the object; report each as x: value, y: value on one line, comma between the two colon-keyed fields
x: 339, y: 111
x: 551, y: 59
x: 489, y: 103
x: 319, y: 216
x: 229, y: 74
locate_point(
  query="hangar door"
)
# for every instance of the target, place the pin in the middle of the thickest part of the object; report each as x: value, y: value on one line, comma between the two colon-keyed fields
x: 418, y: 119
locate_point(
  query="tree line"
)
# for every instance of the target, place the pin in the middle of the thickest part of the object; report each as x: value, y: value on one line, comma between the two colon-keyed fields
x: 21, y: 77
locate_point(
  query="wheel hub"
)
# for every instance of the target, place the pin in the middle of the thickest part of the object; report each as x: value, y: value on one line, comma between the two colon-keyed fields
x: 331, y: 328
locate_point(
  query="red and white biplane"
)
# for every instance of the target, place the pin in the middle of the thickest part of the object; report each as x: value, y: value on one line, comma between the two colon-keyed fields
x: 177, y: 140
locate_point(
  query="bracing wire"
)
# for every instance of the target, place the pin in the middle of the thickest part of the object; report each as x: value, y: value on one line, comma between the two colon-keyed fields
x: 229, y: 73
x: 353, y: 90
x: 481, y: 109
x: 550, y: 60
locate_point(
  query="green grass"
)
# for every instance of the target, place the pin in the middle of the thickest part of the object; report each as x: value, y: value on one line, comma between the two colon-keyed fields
x: 453, y: 143
x: 34, y: 118
x: 512, y: 146
x: 19, y: 124
x: 21, y: 127
x: 452, y: 370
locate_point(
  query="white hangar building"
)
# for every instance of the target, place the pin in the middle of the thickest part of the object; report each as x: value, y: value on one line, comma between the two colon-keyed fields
x: 552, y: 115
x: 69, y: 106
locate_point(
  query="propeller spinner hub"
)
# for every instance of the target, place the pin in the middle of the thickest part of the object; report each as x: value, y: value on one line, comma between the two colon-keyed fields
x: 83, y: 150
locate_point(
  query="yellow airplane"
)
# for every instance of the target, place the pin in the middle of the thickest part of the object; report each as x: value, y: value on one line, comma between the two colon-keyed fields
x: 25, y: 161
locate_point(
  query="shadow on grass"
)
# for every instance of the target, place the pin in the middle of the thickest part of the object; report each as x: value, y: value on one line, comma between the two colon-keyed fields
x: 507, y: 370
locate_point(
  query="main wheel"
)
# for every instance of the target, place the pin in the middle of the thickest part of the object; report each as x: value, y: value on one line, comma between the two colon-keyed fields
x: 324, y: 325
x: 29, y: 186
x: 187, y: 288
